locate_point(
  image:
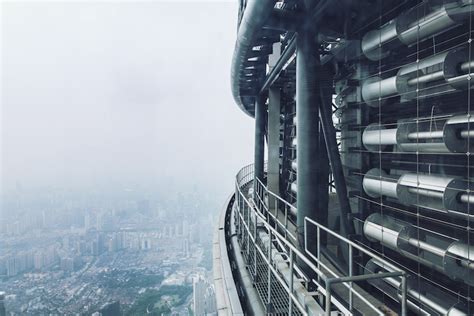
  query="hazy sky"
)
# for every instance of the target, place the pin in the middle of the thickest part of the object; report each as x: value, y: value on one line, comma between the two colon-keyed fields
x: 120, y: 93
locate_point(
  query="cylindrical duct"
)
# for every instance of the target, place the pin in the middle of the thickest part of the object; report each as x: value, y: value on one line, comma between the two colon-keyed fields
x: 415, y: 79
x: 453, y: 258
x: 422, y: 297
x: 294, y: 142
x: 435, y: 192
x: 294, y: 165
x: 376, y: 183
x: 451, y: 135
x: 376, y: 137
x: 410, y: 27
x: 294, y: 187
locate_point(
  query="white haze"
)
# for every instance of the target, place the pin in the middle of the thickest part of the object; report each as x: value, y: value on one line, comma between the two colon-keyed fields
x: 120, y: 94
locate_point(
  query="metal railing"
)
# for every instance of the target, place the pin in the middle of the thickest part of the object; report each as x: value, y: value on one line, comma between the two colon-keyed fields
x: 253, y: 215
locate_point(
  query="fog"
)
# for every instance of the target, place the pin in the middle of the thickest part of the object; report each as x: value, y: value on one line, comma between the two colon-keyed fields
x: 120, y: 94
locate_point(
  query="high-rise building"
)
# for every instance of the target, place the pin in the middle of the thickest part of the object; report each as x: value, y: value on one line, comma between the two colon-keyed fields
x: 199, y: 296
x: 38, y: 260
x: 210, y: 301
x: 3, y: 311
x: 363, y: 109
x: 67, y: 264
x: 186, y: 250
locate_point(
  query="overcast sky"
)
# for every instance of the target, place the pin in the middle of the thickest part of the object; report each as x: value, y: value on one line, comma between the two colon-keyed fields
x: 120, y: 93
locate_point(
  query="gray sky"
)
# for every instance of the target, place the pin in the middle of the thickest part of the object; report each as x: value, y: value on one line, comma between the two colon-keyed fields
x: 120, y: 93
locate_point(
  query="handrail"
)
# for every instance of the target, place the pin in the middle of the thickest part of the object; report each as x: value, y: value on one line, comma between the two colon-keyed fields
x: 254, y: 203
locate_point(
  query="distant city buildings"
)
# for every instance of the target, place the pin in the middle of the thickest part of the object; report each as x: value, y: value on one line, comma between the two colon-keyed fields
x: 204, y: 298
x: 210, y: 300
x: 186, y: 248
x: 3, y: 311
x: 199, y: 292
x: 110, y: 309
x: 67, y: 259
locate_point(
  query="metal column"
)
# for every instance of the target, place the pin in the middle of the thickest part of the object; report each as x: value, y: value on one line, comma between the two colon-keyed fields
x: 259, y: 138
x: 312, y: 177
x: 273, y: 174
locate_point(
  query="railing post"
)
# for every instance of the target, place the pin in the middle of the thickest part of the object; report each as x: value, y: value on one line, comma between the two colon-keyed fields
x: 255, y: 249
x: 404, y: 295
x: 328, y: 297
x: 269, y: 285
x: 350, y: 274
x: 318, y: 250
x: 290, y: 302
x: 248, y: 232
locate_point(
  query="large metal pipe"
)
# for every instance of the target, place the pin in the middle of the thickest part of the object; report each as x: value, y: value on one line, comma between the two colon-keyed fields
x: 294, y: 165
x: 410, y: 27
x: 447, y: 194
x: 423, y: 298
x: 254, y: 17
x: 451, y: 135
x: 378, y: 137
x: 413, y: 80
x: 377, y: 182
x: 453, y: 258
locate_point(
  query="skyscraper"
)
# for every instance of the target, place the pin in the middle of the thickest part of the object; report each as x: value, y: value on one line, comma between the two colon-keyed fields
x: 364, y: 205
x: 199, y: 296
x: 210, y: 300
x: 3, y: 311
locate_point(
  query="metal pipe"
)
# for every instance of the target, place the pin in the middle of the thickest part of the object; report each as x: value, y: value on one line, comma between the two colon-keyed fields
x: 438, y: 75
x: 376, y: 88
x: 426, y: 246
x: 467, y: 198
x: 378, y: 137
x: 428, y: 193
x: 467, y: 134
x: 454, y: 259
x: 275, y: 72
x: 425, y: 135
x: 294, y: 165
x: 443, y: 306
x: 254, y: 17
x: 410, y: 27
x: 451, y: 135
x: 467, y: 66
x: 294, y: 187
x: 376, y: 182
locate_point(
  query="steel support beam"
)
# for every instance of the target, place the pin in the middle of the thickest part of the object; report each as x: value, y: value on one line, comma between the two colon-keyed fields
x: 259, y: 139
x: 280, y: 64
x: 325, y: 112
x: 312, y: 177
x: 273, y: 174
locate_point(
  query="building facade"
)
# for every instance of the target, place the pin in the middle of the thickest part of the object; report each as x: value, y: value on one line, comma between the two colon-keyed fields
x: 363, y: 207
